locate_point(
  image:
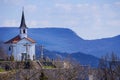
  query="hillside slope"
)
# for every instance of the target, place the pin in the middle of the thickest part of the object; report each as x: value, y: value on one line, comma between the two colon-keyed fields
x: 82, y: 58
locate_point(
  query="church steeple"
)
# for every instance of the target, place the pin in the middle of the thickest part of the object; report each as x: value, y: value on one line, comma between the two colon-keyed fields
x: 23, y: 24
x: 23, y: 27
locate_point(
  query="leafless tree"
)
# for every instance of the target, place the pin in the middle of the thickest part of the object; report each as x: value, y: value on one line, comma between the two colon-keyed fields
x: 3, y: 54
x: 109, y: 67
x: 75, y: 71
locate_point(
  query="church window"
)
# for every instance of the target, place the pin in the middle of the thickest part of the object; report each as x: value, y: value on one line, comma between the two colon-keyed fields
x: 24, y: 31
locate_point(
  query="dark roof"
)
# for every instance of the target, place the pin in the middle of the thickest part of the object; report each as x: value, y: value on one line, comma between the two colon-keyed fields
x: 23, y: 24
x: 17, y: 39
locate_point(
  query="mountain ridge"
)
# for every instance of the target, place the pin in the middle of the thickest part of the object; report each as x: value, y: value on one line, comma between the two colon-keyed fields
x: 65, y: 40
x: 62, y: 28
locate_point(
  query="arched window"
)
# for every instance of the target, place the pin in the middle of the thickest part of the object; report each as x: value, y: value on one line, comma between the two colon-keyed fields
x: 24, y: 31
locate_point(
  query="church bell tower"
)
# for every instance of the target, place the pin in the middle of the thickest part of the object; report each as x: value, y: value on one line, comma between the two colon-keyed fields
x: 23, y: 27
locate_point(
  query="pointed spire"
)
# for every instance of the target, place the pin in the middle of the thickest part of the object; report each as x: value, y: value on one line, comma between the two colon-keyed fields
x: 23, y: 25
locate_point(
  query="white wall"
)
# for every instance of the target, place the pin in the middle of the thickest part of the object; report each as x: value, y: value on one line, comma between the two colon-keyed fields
x: 20, y: 48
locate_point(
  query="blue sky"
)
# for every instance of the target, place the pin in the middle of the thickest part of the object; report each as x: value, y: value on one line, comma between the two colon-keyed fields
x: 90, y: 19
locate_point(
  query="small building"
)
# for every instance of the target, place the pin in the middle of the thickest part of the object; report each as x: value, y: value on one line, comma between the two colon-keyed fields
x: 22, y: 47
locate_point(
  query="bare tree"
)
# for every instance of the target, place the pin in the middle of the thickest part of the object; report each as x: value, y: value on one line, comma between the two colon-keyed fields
x: 109, y: 67
x: 3, y: 54
x: 72, y: 71
x: 75, y: 71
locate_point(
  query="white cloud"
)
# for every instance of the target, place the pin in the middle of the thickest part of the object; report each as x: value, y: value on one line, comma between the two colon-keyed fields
x: 113, y: 23
x: 66, y: 7
x: 32, y: 23
x: 10, y: 23
x: 45, y: 23
x: 106, y: 6
x: 30, y: 8
x: 35, y: 23
x: 14, y: 2
x: 117, y: 3
x: 82, y: 5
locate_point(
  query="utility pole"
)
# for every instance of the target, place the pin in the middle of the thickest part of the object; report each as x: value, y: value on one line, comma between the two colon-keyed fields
x: 41, y: 51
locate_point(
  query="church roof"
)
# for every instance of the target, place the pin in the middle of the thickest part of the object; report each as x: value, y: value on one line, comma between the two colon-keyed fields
x: 17, y: 39
x: 23, y: 24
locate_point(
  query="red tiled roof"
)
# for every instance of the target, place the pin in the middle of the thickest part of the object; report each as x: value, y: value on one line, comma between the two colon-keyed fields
x: 17, y: 39
x: 29, y: 39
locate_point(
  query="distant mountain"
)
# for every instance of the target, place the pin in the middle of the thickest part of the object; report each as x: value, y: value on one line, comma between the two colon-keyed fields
x: 83, y: 59
x: 65, y: 40
x: 104, y: 46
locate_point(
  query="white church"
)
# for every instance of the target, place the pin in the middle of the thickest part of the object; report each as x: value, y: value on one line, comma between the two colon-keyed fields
x: 22, y: 47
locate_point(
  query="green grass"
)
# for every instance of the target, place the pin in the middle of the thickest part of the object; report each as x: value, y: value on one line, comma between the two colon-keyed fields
x: 2, y: 70
x: 48, y: 67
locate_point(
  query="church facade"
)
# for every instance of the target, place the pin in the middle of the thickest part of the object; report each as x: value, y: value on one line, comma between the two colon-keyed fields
x: 22, y: 47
